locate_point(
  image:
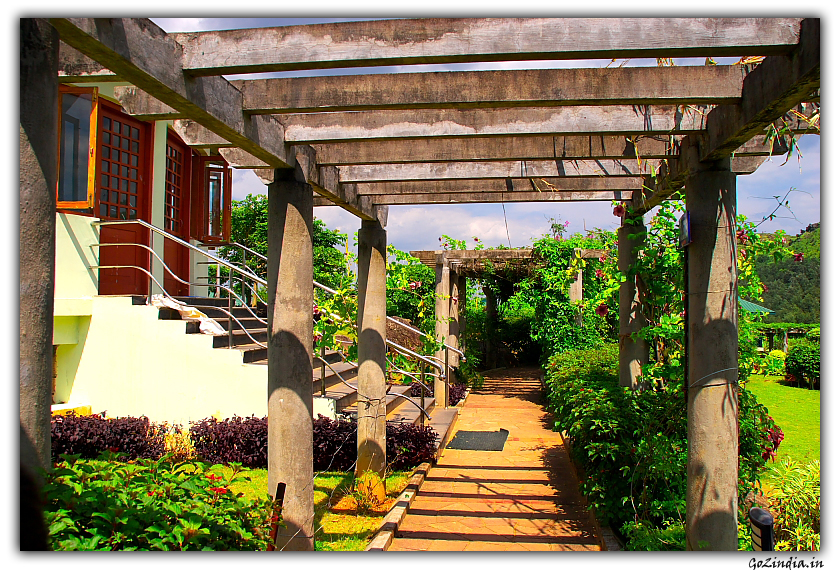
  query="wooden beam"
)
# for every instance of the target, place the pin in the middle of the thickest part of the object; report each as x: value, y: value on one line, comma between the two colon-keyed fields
x: 770, y: 91
x: 516, y: 148
x: 678, y: 85
x: 495, y: 197
x: 777, y: 85
x: 434, y: 123
x: 142, y: 54
x: 76, y: 67
x: 498, y: 169
x: 510, y: 185
x: 325, y: 182
x: 450, y: 40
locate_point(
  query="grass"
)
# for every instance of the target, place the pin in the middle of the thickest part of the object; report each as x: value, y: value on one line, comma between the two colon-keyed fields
x: 796, y: 411
x: 333, y: 531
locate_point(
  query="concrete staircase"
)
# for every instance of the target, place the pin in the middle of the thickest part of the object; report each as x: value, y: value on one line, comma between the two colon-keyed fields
x: 339, y: 382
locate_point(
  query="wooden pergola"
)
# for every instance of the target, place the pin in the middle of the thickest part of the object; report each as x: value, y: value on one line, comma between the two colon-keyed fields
x: 363, y: 142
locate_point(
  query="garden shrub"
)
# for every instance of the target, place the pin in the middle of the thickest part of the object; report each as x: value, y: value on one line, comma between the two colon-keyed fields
x: 89, y: 436
x: 232, y: 440
x: 457, y: 393
x: 813, y: 335
x: 407, y: 445
x: 334, y: 444
x: 245, y: 441
x: 803, y: 363
x: 795, y: 502
x: 774, y: 363
x: 632, y: 445
x: 149, y: 505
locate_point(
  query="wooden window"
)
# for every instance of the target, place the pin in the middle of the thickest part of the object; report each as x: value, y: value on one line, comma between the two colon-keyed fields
x: 211, y: 200
x: 78, y: 108
x: 122, y: 176
x: 176, y: 203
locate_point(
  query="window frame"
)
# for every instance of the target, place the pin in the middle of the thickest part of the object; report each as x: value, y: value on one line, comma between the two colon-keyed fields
x: 199, y: 220
x: 77, y: 205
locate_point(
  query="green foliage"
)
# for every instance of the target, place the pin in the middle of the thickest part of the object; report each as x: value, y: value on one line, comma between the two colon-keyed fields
x: 795, y: 500
x: 793, y: 287
x: 803, y: 363
x: 249, y: 227
x: 647, y: 537
x: 410, y: 290
x: 640, y: 439
x: 150, y: 505
x: 774, y: 363
x: 555, y: 326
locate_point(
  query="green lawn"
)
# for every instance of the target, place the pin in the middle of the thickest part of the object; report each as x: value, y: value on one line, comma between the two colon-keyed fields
x: 796, y: 411
x: 333, y: 531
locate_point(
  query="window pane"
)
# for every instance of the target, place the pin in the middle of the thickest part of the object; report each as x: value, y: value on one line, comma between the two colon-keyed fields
x: 114, y: 197
x: 133, y: 160
x: 134, y: 188
x: 103, y: 210
x: 74, y: 147
x: 113, y: 211
x: 135, y: 147
x: 132, y: 214
x: 123, y: 199
x: 132, y: 201
x: 105, y: 180
x: 125, y: 144
x: 123, y: 214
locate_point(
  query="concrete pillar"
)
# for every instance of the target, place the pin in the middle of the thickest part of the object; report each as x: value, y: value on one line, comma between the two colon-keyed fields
x: 462, y: 312
x: 492, y: 311
x: 632, y: 354
x: 455, y: 302
x: 712, y: 490
x: 442, y: 304
x: 576, y: 293
x: 371, y: 326
x: 38, y: 175
x: 290, y: 357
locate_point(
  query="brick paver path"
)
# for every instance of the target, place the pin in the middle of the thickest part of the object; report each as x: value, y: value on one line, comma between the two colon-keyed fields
x: 523, y: 498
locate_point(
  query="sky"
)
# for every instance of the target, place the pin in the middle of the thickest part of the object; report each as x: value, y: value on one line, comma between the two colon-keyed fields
x: 518, y: 224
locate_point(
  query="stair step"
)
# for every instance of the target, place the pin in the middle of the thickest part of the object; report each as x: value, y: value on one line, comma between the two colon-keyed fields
x: 443, y: 422
x: 392, y: 401
x: 241, y: 338
x: 407, y: 412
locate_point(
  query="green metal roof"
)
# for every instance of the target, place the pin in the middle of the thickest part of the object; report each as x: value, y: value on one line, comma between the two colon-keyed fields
x: 753, y: 308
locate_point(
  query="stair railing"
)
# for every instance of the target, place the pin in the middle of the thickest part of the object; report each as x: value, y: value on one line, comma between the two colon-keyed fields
x: 214, y: 259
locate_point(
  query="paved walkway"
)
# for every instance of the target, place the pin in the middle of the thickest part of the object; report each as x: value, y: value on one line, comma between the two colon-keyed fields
x: 523, y: 498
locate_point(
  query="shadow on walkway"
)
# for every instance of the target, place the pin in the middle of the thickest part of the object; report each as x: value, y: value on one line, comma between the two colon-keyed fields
x: 522, y: 498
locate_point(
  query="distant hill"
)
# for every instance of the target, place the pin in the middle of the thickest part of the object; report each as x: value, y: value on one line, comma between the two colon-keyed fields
x: 793, y: 287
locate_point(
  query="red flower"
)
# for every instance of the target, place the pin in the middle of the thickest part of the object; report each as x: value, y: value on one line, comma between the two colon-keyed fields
x: 475, y: 238
x: 619, y: 211
x: 600, y: 274
x: 219, y: 490
x: 602, y: 310
x: 763, y: 286
x: 114, y: 449
x: 214, y: 477
x: 798, y: 256
x: 741, y: 235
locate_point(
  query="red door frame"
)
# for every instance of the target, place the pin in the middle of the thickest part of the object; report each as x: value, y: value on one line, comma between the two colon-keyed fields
x: 123, y: 281
x: 176, y: 256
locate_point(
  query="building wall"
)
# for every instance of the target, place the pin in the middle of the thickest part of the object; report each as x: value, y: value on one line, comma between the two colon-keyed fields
x: 132, y: 364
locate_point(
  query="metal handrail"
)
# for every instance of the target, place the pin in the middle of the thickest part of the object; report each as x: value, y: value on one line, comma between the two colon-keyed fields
x: 179, y: 241
x: 172, y: 273
x: 152, y: 277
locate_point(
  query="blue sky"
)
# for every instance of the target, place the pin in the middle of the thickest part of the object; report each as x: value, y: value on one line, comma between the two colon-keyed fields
x: 418, y: 227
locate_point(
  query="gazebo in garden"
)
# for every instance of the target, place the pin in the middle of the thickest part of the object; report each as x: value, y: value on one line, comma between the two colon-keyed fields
x: 634, y: 135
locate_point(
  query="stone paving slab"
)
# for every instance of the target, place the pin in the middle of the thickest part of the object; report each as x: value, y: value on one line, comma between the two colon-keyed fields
x: 524, y: 498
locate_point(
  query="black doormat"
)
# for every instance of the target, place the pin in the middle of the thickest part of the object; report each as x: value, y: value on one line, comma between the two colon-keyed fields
x: 479, y: 440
